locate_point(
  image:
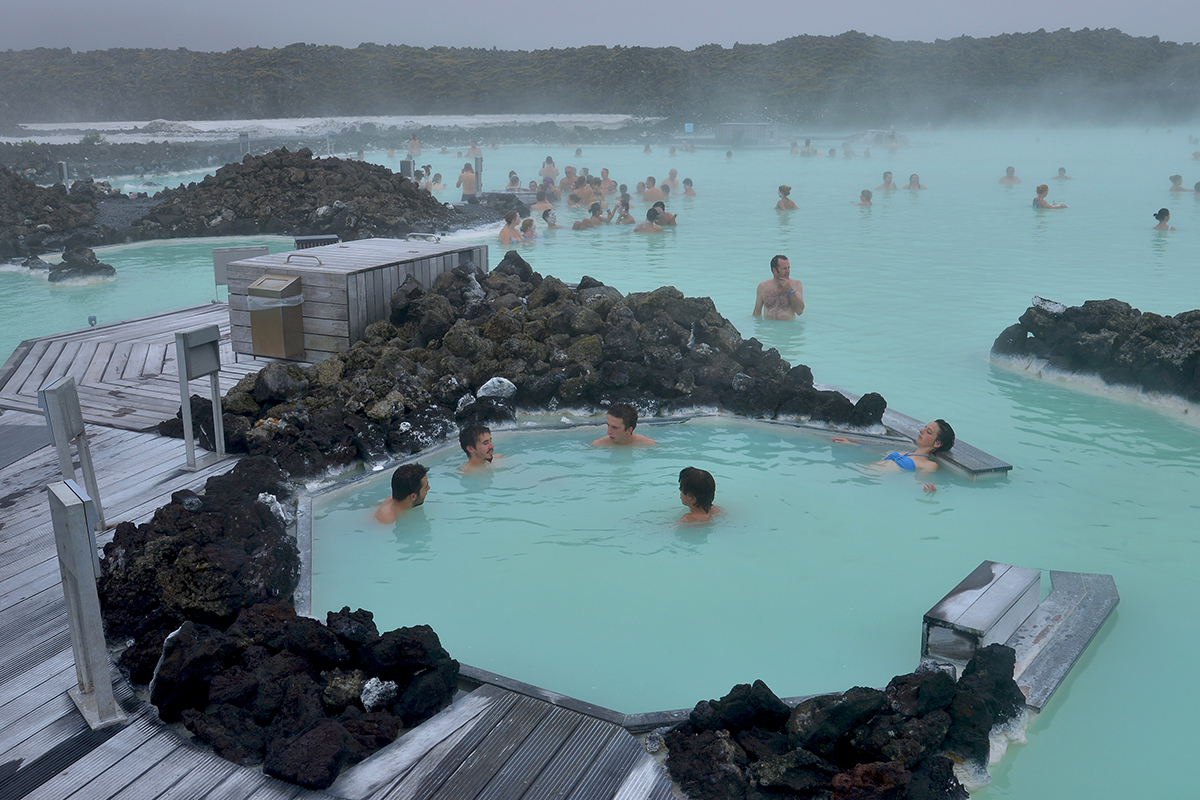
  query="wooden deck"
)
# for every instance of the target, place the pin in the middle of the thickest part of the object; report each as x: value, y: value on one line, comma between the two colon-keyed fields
x: 493, y: 742
x: 125, y: 372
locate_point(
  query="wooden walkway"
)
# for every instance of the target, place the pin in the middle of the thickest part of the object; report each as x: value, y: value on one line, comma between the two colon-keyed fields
x: 125, y: 372
x: 491, y: 743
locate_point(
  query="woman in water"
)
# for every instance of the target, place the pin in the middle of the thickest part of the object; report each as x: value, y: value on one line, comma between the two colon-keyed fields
x: 529, y: 230
x: 696, y: 491
x: 785, y: 202
x: 514, y: 183
x: 621, y: 210
x: 688, y: 191
x: 914, y: 182
x: 1177, y: 184
x: 511, y: 234
x: 1041, y: 202
x: 936, y: 437
x: 1163, y: 216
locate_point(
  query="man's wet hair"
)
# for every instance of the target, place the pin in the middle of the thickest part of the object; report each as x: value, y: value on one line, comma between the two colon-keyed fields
x: 624, y: 412
x: 651, y: 214
x: 699, y: 484
x: 406, y: 480
x: 469, y: 436
x: 775, y: 262
x: 945, y: 436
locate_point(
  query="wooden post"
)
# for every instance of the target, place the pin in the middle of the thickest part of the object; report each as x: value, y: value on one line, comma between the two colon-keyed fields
x: 72, y: 514
x: 59, y: 400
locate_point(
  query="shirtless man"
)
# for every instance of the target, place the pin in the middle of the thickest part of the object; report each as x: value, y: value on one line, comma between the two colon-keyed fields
x: 664, y: 217
x: 466, y: 179
x: 1010, y: 178
x: 696, y: 491
x: 672, y: 180
x: 548, y: 169
x: 607, y: 184
x: 887, y: 182
x: 542, y: 203
x: 473, y: 151
x: 651, y: 224
x: 568, y: 180
x: 410, y: 484
x: 622, y: 419
x: 476, y: 442
x: 652, y: 192
x: 780, y: 297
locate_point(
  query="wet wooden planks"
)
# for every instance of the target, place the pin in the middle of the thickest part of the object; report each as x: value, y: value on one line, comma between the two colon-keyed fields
x: 493, y: 743
x: 125, y: 373
x: 498, y: 744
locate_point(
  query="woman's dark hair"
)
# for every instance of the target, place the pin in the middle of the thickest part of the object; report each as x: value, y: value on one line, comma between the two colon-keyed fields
x: 1162, y: 214
x: 699, y: 484
x: 594, y: 208
x: 945, y: 436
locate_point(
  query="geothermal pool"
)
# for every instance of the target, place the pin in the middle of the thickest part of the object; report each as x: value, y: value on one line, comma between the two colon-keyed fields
x: 152, y: 277
x: 565, y: 565
x: 905, y: 298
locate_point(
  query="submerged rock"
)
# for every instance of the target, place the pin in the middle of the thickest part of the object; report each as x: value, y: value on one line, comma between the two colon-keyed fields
x: 79, y: 263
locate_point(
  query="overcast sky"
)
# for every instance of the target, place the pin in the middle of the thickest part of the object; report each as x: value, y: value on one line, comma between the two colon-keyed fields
x: 225, y: 24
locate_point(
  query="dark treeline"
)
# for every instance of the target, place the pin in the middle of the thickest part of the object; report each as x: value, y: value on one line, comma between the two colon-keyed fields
x: 1086, y: 75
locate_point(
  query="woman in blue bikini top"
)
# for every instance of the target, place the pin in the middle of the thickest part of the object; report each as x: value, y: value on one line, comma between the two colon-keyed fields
x: 935, y: 437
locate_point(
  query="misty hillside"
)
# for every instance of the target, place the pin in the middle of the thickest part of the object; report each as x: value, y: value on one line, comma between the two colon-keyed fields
x: 1087, y: 75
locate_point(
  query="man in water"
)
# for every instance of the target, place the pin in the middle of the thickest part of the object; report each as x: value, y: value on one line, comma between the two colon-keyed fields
x: 476, y: 442
x: 622, y: 419
x: 696, y: 491
x: 780, y: 297
x: 410, y: 484
x: 887, y: 182
x: 651, y: 224
x: 652, y: 193
x: 1010, y: 178
x: 473, y: 151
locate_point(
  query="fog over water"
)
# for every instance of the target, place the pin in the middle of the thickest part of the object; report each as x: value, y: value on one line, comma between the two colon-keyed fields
x: 225, y: 24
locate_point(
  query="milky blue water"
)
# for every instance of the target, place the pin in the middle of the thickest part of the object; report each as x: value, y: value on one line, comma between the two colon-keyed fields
x: 904, y: 298
x: 151, y: 277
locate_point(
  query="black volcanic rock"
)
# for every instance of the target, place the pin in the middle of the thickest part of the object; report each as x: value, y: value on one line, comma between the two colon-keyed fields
x: 294, y: 193
x: 860, y: 744
x: 1112, y: 340
x: 78, y: 263
x: 412, y: 381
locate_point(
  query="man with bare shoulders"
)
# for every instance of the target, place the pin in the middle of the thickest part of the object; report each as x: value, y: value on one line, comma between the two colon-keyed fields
x: 473, y: 151
x: 476, y: 442
x: 652, y: 192
x: 780, y: 297
x: 651, y: 224
x: 887, y: 182
x: 622, y: 419
x: 410, y: 484
x: 1010, y: 177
